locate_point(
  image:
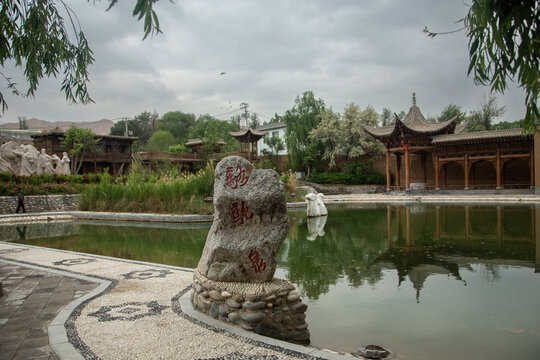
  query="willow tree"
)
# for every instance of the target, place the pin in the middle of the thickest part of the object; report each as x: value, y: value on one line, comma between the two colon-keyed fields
x: 35, y: 37
x: 303, y: 117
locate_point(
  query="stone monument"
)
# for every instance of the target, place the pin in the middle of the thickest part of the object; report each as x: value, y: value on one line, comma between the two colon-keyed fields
x: 234, y: 280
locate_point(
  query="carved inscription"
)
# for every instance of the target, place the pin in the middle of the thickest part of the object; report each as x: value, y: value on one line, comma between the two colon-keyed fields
x: 240, y: 212
x: 236, y: 177
x: 257, y: 262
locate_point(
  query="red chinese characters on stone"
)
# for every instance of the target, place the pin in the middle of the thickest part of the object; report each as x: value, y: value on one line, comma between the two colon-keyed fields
x: 236, y: 177
x: 240, y: 212
x: 257, y: 262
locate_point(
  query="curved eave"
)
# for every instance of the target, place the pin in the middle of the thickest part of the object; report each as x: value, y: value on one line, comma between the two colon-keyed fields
x: 247, y: 135
x: 380, y: 133
x: 496, y: 136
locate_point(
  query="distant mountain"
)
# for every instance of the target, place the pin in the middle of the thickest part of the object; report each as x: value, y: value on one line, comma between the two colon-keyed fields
x: 100, y: 127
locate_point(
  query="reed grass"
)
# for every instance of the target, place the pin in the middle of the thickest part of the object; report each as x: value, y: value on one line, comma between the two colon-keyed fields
x: 148, y: 192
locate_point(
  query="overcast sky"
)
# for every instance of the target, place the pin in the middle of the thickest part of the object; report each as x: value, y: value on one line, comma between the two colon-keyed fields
x: 366, y: 52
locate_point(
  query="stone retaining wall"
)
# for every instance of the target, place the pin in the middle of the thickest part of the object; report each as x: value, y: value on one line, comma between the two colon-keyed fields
x: 272, y: 309
x: 40, y: 203
x: 336, y: 189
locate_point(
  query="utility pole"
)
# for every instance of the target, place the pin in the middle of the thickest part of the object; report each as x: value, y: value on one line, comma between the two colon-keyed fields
x: 244, y: 123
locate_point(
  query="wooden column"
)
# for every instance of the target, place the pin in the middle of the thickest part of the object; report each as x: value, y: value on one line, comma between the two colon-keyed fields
x: 444, y: 176
x: 473, y: 174
x: 407, y: 169
x: 388, y: 162
x: 466, y: 170
x: 398, y: 170
x: 498, y: 169
x: 531, y: 167
x: 437, y: 170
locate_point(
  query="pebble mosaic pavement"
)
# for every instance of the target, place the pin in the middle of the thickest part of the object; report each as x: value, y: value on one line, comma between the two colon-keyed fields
x: 136, y: 314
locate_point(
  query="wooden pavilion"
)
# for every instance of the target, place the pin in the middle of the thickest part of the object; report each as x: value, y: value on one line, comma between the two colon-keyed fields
x: 460, y: 160
x: 248, y: 139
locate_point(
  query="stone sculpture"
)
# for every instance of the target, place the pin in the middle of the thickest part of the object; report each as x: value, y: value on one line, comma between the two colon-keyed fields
x: 26, y: 160
x: 5, y: 166
x: 234, y: 280
x: 45, y: 164
x: 315, y: 205
x: 64, y: 165
x: 56, y: 163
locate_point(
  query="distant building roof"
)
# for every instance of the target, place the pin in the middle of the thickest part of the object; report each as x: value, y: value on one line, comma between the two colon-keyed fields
x: 247, y: 135
x: 271, y: 126
x: 58, y: 134
x: 195, y: 142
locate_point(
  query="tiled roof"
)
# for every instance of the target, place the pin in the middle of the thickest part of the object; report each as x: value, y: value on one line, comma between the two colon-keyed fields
x: 480, y: 136
x: 271, y: 126
x: 415, y: 121
x: 247, y: 132
x: 193, y: 142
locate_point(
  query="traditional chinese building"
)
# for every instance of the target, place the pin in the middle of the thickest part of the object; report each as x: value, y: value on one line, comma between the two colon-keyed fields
x: 195, y: 145
x: 440, y: 155
x: 113, y: 152
x: 248, y: 139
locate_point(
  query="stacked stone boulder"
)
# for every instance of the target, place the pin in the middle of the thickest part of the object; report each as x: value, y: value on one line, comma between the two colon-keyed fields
x: 234, y: 280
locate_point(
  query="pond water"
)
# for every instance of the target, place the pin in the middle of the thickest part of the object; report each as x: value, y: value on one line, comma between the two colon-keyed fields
x: 424, y: 281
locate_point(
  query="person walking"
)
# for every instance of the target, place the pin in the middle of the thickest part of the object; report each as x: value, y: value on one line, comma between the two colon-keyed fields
x: 20, y: 199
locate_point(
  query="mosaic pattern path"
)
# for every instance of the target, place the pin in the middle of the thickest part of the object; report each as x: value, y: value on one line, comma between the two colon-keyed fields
x: 135, y: 313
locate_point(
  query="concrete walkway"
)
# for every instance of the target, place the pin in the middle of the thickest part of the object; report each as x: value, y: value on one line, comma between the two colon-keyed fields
x: 66, y: 305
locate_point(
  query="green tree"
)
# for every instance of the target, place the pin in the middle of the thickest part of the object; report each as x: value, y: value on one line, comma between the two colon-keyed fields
x: 450, y: 111
x: 142, y: 126
x: 179, y: 148
x: 34, y: 35
x: 212, y: 130
x: 79, y: 142
x: 482, y: 118
x: 160, y: 141
x: 177, y: 123
x: 300, y: 120
x: 344, y: 135
x: 387, y: 118
x: 504, y: 46
x: 254, y: 121
x: 276, y: 145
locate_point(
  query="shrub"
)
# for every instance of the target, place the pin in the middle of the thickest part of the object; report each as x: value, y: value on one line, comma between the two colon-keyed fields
x: 353, y: 173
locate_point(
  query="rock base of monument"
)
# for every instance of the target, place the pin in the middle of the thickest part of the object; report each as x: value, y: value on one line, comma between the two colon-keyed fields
x: 272, y: 308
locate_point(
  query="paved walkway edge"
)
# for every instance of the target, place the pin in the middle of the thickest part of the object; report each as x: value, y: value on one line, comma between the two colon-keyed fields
x: 58, y: 337
x: 187, y: 308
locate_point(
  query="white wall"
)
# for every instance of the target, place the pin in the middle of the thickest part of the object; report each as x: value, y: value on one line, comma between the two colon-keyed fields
x: 280, y: 133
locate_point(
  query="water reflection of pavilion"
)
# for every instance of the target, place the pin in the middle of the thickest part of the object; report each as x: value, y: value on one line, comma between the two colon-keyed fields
x: 477, y: 234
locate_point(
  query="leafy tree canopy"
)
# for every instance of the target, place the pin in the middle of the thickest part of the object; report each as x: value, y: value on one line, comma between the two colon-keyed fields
x: 142, y: 126
x: 450, y: 111
x: 160, y: 141
x: 344, y: 135
x: 79, y: 142
x: 387, y: 118
x: 504, y: 46
x: 300, y: 120
x: 34, y: 37
x: 177, y: 123
x: 483, y: 117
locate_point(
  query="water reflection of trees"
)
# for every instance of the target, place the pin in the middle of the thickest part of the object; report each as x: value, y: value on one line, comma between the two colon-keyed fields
x: 416, y: 241
x: 178, y: 247
x: 348, y: 248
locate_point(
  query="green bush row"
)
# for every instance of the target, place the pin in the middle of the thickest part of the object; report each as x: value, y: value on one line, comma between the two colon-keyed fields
x: 351, y: 174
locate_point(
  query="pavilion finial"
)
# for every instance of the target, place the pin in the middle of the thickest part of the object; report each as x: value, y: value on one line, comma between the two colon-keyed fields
x: 413, y: 99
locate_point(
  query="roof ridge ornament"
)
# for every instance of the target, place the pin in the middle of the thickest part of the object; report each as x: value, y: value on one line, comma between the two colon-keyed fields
x: 413, y: 99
